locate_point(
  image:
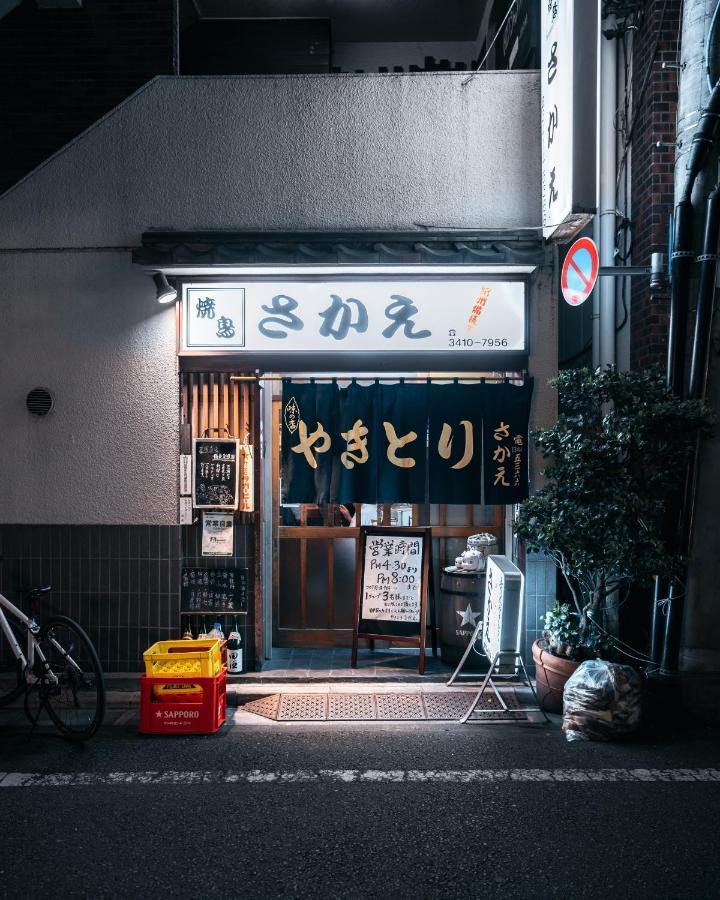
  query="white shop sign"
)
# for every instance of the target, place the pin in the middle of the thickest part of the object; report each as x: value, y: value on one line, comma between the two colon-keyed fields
x: 370, y: 315
x: 568, y: 76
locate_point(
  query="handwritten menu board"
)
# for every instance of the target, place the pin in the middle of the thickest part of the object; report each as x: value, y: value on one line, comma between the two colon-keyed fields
x: 392, y: 579
x: 215, y: 473
x: 213, y: 590
x: 392, y: 590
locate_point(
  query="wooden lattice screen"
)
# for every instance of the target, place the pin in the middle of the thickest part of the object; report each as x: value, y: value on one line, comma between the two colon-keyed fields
x: 212, y: 402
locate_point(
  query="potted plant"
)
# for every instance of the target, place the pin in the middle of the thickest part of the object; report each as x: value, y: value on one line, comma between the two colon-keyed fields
x: 617, y: 459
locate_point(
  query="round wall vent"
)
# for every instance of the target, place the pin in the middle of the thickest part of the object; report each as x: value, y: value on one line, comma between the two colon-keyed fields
x: 39, y: 401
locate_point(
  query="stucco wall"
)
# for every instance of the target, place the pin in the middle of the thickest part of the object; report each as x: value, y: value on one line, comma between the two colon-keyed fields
x: 87, y: 327
x: 394, y: 152
x: 292, y: 152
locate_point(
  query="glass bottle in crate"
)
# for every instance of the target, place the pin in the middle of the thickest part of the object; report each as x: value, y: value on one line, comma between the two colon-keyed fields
x: 217, y: 632
x: 234, y: 652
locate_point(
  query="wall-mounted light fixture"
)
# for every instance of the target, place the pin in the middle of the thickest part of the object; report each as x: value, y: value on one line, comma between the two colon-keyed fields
x: 658, y: 278
x: 164, y: 291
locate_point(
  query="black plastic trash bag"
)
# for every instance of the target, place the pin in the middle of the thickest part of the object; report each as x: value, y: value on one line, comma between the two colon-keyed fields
x: 601, y: 701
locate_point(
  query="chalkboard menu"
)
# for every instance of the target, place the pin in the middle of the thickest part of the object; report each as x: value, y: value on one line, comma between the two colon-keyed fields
x: 213, y: 590
x: 392, y: 587
x: 215, y: 473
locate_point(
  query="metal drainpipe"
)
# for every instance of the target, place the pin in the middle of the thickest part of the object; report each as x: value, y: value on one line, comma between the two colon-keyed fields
x: 706, y: 296
x: 607, y: 178
x: 697, y: 126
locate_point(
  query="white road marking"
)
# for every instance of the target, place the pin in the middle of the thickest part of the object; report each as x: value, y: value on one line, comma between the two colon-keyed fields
x: 348, y: 776
x: 126, y: 717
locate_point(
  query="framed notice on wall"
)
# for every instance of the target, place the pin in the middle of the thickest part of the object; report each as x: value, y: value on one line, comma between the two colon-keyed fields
x: 392, y: 579
x: 217, y: 534
x: 215, y: 473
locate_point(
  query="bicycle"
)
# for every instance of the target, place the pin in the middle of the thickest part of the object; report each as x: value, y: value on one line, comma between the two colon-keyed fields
x: 59, y: 671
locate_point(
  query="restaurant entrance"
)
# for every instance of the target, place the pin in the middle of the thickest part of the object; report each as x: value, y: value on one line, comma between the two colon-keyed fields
x: 314, y: 548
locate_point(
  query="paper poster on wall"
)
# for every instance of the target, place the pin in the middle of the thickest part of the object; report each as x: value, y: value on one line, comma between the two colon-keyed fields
x: 217, y: 534
x: 185, y: 474
x: 186, y: 511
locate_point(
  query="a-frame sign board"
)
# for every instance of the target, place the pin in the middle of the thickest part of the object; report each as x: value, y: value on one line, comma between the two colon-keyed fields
x: 393, y: 581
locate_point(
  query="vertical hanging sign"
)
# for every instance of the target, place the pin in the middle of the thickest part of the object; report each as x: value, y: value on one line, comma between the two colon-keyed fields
x: 247, y: 479
x: 568, y: 73
x: 506, y: 417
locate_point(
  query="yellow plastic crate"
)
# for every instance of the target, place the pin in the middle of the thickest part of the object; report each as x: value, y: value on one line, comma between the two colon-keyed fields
x: 185, y: 659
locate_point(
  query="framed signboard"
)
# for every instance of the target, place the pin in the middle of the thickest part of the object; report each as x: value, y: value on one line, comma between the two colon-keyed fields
x: 392, y: 580
x: 215, y: 473
x: 459, y: 319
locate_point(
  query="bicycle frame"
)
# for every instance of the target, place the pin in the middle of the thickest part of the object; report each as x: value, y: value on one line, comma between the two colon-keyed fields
x: 33, y: 647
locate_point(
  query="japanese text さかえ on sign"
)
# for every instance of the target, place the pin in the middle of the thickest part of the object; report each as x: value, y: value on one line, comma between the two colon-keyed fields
x: 413, y: 443
x: 453, y: 315
x: 392, y: 579
x: 568, y: 79
x: 215, y: 473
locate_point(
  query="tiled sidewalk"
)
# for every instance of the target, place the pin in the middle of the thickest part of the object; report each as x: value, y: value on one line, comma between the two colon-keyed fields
x: 331, y: 664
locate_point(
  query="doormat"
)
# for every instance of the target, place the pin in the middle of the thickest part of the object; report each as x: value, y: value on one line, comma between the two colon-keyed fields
x: 421, y: 707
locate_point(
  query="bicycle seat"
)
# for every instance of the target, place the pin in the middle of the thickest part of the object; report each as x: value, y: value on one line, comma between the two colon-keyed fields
x: 34, y: 593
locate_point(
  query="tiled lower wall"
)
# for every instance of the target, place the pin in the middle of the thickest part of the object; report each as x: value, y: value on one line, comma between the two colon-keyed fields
x: 122, y: 583
x: 540, y: 593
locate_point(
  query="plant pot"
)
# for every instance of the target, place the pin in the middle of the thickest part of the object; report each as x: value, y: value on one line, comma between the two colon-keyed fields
x: 551, y: 673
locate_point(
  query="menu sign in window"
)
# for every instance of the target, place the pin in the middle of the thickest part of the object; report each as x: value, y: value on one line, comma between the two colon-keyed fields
x: 213, y: 590
x: 215, y: 473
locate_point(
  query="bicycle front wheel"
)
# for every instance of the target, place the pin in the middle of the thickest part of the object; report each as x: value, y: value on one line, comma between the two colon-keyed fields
x: 12, y: 677
x: 76, y: 704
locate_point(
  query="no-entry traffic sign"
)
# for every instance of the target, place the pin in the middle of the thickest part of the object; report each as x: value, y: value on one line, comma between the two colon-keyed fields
x: 579, y: 271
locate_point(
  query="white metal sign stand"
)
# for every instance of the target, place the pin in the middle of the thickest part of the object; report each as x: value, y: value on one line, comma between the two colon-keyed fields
x: 499, y: 629
x: 492, y: 677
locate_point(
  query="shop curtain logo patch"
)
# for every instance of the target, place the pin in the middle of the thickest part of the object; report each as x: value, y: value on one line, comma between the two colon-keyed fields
x: 291, y: 415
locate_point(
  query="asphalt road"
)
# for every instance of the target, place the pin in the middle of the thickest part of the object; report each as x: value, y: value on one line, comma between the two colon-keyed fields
x: 359, y: 810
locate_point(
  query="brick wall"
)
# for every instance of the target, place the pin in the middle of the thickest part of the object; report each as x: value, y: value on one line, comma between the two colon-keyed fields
x: 62, y: 69
x: 652, y: 172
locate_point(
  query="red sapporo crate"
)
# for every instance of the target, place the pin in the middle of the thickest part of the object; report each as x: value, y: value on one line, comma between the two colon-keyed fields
x: 204, y: 716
